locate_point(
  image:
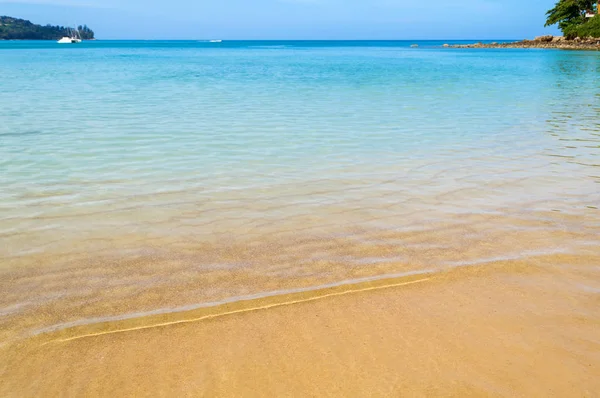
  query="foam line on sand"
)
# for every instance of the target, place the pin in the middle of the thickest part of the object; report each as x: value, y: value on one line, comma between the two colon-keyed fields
x: 237, y: 311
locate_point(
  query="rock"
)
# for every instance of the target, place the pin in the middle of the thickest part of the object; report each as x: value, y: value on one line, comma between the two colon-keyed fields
x: 556, y: 42
x: 446, y: 45
x: 414, y: 45
x: 577, y: 39
x: 545, y: 39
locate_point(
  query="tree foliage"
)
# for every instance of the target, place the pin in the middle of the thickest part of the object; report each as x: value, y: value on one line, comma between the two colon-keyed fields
x: 591, y: 28
x: 85, y: 32
x: 20, y: 29
x: 569, y: 14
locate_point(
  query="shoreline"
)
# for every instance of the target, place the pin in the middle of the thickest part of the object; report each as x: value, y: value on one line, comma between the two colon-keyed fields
x: 498, y: 330
x: 235, y: 305
x: 541, y: 42
x: 170, y: 319
x: 133, y: 275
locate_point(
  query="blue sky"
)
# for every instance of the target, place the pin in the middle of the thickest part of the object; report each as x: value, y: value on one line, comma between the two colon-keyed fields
x: 292, y: 19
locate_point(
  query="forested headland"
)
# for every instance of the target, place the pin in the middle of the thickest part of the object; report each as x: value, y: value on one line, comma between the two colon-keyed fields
x: 21, y: 29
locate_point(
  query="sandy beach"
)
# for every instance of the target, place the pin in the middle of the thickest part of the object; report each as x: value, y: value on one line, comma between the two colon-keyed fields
x: 516, y: 328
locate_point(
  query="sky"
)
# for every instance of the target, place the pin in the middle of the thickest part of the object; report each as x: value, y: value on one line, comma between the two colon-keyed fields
x: 292, y: 19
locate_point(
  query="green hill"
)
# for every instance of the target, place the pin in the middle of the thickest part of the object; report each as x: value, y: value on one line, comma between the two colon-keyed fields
x: 21, y: 29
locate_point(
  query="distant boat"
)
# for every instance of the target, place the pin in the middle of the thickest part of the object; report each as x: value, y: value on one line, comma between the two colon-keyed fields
x: 73, y: 38
x: 69, y: 40
x: 215, y: 41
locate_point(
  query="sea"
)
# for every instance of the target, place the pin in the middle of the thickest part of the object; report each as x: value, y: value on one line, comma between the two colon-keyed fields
x: 144, y: 177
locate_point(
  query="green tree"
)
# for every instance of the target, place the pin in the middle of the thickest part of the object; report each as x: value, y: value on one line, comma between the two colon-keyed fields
x: 20, y: 29
x: 569, y: 14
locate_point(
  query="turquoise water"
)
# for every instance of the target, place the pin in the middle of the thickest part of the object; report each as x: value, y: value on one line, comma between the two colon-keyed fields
x: 98, y: 124
x: 202, y: 152
x: 131, y: 135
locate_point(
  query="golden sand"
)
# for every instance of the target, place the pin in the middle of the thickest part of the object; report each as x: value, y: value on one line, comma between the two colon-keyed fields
x: 478, y: 305
x: 512, y: 328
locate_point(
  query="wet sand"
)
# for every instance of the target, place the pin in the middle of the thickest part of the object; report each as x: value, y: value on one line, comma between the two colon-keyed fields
x: 511, y: 328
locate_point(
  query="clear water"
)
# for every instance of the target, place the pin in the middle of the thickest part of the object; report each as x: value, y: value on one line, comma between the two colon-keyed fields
x: 275, y: 158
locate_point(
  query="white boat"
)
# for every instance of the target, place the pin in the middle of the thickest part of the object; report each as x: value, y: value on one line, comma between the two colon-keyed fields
x: 68, y: 40
x: 74, y: 37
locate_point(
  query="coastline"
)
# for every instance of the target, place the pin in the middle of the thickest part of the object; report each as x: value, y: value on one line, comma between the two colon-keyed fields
x: 497, y: 331
x: 126, y: 282
x: 542, y: 42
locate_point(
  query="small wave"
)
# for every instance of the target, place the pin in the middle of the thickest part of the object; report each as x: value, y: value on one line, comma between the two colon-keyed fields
x: 343, y: 287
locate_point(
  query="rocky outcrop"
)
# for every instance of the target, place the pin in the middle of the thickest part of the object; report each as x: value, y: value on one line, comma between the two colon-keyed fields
x: 544, y: 39
x: 558, y: 42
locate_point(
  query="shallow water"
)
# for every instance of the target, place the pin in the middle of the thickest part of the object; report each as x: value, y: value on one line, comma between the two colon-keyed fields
x: 151, y: 177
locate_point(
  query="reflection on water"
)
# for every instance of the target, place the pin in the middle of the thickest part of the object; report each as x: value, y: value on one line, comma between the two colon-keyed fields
x: 573, y: 118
